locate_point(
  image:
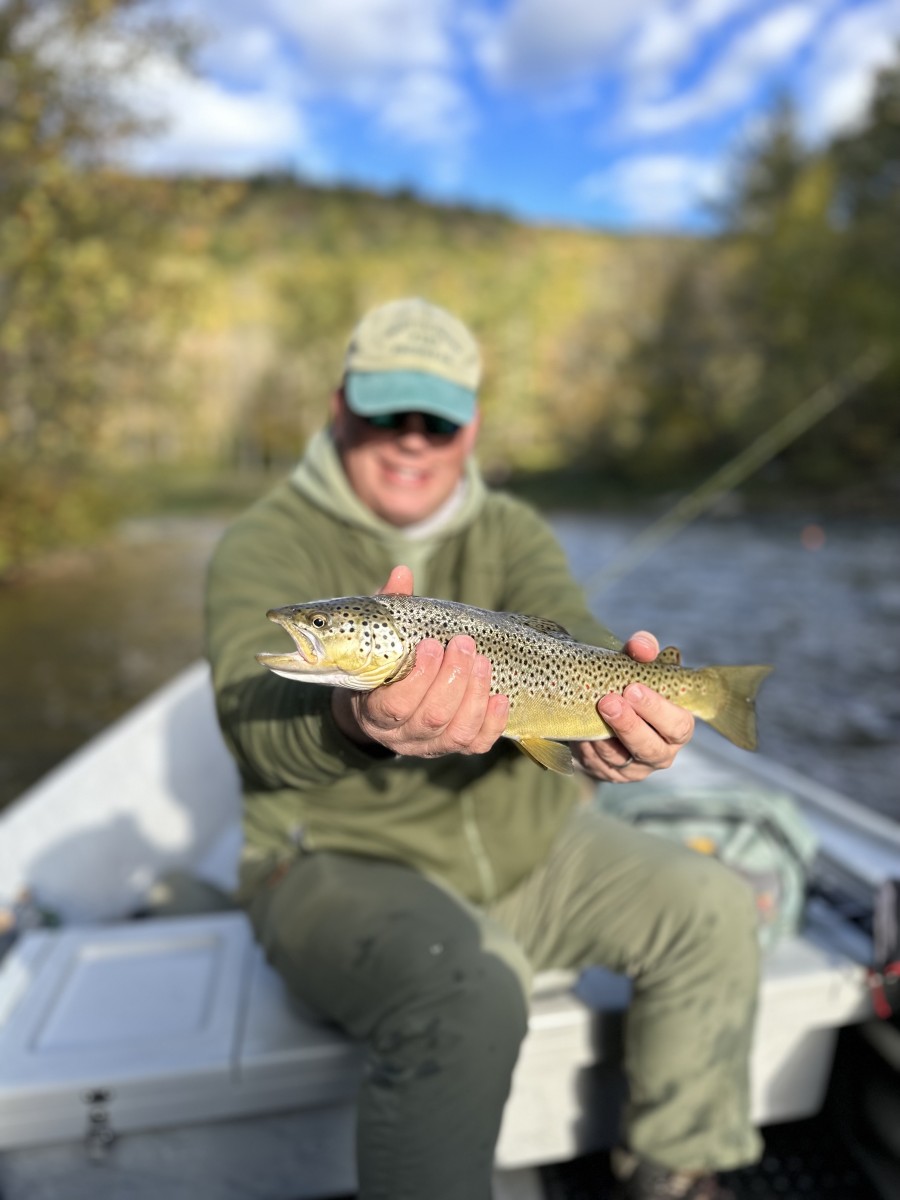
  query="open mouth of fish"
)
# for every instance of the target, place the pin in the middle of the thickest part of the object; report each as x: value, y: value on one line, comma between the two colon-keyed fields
x: 309, y: 649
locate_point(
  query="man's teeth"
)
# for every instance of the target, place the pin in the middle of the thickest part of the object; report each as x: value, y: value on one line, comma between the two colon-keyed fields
x: 407, y: 473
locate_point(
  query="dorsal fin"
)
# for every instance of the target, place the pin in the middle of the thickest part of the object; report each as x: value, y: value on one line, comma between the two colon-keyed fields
x: 543, y: 625
x: 554, y: 756
x: 670, y: 657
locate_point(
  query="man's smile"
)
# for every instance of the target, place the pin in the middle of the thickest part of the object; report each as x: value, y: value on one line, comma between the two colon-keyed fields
x: 405, y: 475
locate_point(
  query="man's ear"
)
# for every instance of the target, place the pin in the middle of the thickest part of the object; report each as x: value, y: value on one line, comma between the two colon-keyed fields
x: 470, y: 432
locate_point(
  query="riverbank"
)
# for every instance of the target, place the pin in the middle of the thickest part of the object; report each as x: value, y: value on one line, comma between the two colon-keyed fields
x: 198, y: 492
x: 768, y: 494
x: 138, y: 499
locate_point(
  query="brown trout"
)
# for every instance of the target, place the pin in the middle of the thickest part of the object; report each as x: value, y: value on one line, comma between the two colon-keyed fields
x: 553, y: 682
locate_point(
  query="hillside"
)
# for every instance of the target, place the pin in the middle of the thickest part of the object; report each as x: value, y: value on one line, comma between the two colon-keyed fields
x: 287, y: 270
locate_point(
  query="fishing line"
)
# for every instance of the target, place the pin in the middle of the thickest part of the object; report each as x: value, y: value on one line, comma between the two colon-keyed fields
x: 724, y: 480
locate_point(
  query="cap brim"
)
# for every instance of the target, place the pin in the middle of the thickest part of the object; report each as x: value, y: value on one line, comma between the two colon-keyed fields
x: 373, y: 393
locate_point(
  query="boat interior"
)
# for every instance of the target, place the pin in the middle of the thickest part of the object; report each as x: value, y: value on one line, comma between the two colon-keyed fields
x: 143, y: 1036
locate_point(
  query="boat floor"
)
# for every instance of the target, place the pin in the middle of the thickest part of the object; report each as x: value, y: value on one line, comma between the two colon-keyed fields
x: 802, y: 1161
x: 849, y: 1151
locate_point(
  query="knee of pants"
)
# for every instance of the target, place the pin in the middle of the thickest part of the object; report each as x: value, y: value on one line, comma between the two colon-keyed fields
x: 714, y: 909
x: 467, y: 1018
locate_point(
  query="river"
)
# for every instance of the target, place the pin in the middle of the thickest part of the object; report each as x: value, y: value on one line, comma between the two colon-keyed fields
x: 84, y: 640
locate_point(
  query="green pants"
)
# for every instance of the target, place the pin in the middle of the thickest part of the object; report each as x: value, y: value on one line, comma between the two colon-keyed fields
x: 437, y: 990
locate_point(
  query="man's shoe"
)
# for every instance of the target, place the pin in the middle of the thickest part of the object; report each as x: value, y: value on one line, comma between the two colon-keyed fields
x: 640, y: 1179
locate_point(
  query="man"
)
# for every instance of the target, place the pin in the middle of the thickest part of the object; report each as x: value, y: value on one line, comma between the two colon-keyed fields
x: 407, y: 871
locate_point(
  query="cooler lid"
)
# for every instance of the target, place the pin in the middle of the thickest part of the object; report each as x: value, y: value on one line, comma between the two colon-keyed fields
x: 144, y: 999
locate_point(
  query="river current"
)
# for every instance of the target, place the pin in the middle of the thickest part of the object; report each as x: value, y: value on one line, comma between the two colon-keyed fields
x: 82, y: 642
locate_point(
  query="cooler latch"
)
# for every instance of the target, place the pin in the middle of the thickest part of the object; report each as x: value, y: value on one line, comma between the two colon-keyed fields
x: 99, y: 1134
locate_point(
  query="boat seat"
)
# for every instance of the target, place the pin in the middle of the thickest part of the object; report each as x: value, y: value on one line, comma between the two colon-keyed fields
x: 161, y: 1022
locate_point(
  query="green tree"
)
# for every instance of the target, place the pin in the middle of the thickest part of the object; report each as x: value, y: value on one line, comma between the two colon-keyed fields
x: 867, y: 216
x: 800, y: 284
x: 86, y: 305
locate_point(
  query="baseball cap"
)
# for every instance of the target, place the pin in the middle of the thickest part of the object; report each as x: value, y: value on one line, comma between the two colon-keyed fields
x: 411, y: 356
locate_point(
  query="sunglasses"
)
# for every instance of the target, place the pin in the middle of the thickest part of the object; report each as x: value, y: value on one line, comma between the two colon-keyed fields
x: 432, y: 424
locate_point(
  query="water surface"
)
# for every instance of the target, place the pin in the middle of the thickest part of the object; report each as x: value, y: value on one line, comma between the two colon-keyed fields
x: 821, y: 601
x: 82, y: 644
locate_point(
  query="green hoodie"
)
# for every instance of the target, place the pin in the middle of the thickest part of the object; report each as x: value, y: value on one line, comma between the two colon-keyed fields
x: 479, y: 823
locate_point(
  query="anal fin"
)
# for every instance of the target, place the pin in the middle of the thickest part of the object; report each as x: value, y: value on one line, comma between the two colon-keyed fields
x: 554, y: 756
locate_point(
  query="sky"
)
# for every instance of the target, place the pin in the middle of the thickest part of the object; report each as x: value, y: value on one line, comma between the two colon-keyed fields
x: 618, y: 114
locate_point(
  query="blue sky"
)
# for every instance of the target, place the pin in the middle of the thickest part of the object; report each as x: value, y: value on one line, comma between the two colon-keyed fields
x: 618, y: 114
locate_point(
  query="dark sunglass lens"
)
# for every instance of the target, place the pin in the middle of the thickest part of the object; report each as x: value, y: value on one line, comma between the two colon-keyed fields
x: 398, y: 420
x: 435, y: 424
x: 386, y: 420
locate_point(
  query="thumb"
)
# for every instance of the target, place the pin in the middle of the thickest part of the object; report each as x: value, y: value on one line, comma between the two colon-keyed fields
x: 642, y: 646
x: 400, y: 580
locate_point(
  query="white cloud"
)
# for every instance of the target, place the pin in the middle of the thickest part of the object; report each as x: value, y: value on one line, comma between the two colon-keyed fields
x: 656, y: 190
x: 392, y: 60
x: 426, y: 108
x: 841, y: 80
x: 206, y: 128
x: 670, y: 32
x: 197, y: 124
x: 746, y: 63
x: 275, y: 69
x: 243, y: 55
x: 541, y: 42
x: 345, y: 40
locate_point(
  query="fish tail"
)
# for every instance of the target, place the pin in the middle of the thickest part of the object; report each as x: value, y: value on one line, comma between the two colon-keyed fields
x: 735, y: 715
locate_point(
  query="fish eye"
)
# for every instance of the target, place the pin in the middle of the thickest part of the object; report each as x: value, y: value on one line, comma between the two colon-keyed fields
x: 319, y: 621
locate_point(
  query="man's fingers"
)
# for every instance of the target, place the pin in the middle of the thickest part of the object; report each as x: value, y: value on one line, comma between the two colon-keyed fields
x: 478, y: 721
x: 447, y: 693
x: 443, y: 706
x: 650, y: 728
x: 428, y: 698
x: 610, y: 760
x: 673, y: 723
x: 394, y: 705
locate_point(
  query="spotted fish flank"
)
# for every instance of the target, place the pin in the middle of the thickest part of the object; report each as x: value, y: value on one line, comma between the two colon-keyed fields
x: 553, y: 682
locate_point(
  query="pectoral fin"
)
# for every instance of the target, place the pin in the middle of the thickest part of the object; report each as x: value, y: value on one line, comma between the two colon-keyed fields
x: 403, y: 667
x: 554, y: 756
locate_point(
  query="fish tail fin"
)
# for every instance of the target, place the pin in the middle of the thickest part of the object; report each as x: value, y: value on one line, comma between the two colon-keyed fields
x: 735, y: 717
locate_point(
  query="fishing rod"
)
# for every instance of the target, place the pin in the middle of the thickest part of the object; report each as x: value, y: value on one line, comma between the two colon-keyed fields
x: 727, y: 477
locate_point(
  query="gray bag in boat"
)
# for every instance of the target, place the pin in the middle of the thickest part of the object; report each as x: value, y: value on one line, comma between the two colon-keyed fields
x: 760, y: 834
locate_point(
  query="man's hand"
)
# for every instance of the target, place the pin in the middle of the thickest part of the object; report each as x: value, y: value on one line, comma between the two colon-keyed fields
x: 443, y: 706
x: 649, y: 729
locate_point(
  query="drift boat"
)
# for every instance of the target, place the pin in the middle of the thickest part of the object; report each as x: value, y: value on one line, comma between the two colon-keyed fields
x: 161, y: 1057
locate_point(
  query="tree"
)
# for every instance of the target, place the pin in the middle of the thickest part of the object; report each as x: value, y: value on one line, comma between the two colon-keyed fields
x: 765, y: 174
x: 86, y: 309
x: 798, y: 287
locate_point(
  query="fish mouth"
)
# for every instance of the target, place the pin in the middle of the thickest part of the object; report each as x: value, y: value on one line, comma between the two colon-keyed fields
x: 309, y: 652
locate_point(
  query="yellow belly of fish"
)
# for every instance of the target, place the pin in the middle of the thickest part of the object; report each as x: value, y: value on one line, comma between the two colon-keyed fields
x: 551, y: 717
